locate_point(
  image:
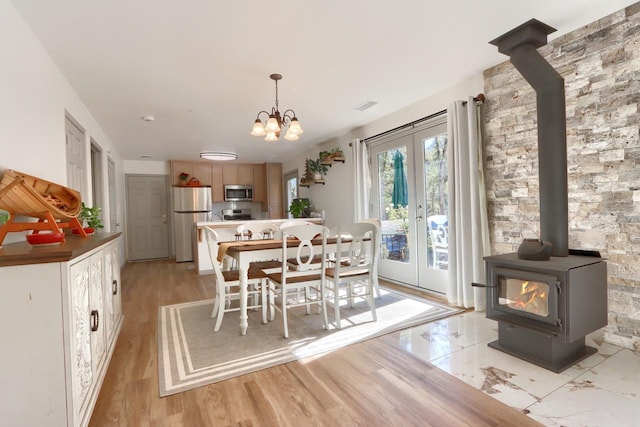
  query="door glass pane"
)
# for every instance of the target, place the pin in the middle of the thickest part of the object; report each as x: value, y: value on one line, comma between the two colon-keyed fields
x: 291, y: 189
x: 436, y: 191
x: 392, y: 170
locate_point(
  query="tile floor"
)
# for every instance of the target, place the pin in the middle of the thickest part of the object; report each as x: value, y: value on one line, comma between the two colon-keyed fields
x: 602, y: 390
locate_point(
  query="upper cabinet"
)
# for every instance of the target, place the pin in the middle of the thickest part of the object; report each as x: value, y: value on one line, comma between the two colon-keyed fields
x: 265, y: 178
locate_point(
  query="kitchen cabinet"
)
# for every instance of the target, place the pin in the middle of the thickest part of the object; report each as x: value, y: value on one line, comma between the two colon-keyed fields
x: 198, y: 170
x: 259, y: 183
x: 275, y: 190
x: 237, y: 174
x: 217, y: 183
x: 61, y: 315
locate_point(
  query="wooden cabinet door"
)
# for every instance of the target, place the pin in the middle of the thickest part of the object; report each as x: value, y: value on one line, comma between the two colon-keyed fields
x: 230, y: 174
x: 202, y: 172
x: 245, y: 174
x: 259, y: 183
x: 217, y: 183
x: 274, y: 190
x: 178, y: 167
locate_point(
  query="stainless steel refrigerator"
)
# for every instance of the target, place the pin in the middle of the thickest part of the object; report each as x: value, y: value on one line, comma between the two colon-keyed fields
x: 190, y: 205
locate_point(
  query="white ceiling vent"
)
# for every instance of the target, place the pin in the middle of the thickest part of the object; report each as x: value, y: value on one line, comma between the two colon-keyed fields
x: 366, y: 105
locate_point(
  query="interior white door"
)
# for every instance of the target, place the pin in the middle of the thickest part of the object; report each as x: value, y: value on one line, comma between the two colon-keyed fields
x: 147, y: 217
x: 414, y: 229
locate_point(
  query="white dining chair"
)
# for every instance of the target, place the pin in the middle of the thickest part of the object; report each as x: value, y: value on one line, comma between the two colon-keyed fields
x: 302, y: 286
x: 226, y: 281
x: 376, y: 251
x: 352, y: 272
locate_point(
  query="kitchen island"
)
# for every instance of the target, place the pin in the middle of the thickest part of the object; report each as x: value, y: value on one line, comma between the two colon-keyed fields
x: 226, y: 231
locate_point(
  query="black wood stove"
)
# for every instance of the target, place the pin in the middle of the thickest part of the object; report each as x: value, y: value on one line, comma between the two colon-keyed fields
x: 544, y: 309
x: 547, y: 302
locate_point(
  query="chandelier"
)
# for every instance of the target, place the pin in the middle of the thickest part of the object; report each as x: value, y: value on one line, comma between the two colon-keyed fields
x: 276, y: 121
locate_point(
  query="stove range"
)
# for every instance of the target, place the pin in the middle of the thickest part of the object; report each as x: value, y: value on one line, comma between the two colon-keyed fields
x: 236, y: 214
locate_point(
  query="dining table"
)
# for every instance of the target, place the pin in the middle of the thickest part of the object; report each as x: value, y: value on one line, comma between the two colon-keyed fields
x: 244, y: 252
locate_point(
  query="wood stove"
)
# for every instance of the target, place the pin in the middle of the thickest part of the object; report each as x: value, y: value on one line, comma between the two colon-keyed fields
x: 544, y: 309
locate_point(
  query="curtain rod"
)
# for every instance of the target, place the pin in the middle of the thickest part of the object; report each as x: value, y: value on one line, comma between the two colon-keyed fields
x: 407, y: 125
x: 479, y: 99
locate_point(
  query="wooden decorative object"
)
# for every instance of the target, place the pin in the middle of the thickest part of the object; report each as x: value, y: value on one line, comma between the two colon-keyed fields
x: 54, y: 205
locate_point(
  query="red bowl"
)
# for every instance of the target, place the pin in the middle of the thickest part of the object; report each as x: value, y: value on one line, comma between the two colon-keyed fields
x: 41, y: 239
x: 87, y: 230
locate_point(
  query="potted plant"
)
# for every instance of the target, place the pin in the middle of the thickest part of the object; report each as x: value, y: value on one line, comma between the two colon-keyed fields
x: 317, y: 168
x: 337, y: 154
x: 297, y: 207
x: 90, y: 218
x: 183, y: 177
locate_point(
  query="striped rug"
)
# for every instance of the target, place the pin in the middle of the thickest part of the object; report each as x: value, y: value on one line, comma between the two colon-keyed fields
x: 191, y: 355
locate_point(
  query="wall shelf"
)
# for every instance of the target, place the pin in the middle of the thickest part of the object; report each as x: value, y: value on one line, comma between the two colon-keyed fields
x: 310, y: 183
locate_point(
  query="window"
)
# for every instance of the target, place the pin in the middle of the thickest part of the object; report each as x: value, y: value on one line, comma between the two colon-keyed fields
x: 291, y: 188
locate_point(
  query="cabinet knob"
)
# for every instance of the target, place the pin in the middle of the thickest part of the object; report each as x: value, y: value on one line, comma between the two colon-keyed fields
x: 114, y: 287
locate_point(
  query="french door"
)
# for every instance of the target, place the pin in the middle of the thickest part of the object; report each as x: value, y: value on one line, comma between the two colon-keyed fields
x: 414, y: 222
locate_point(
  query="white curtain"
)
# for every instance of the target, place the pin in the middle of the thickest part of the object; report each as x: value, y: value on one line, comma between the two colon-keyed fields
x: 361, y: 180
x: 468, y: 224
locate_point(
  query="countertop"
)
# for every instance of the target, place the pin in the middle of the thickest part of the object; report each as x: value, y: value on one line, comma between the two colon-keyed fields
x: 22, y: 253
x: 234, y: 224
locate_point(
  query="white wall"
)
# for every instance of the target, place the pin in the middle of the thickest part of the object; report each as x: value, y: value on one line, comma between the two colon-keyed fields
x: 336, y: 196
x: 34, y: 96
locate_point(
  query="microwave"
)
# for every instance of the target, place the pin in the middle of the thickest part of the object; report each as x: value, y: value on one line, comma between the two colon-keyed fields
x: 238, y: 193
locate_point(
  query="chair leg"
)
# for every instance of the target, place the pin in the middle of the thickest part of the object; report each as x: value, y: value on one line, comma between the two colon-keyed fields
x: 372, y: 303
x: 323, y: 306
x: 223, y: 296
x: 336, y: 304
x: 272, y: 302
x: 216, y: 304
x: 376, y: 286
x: 264, y: 299
x: 307, y: 308
x: 284, y: 313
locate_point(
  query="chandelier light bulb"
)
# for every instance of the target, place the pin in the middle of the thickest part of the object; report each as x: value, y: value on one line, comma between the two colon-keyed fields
x: 294, y: 127
x: 258, y: 129
x: 271, y: 137
x: 272, y: 124
x: 290, y: 136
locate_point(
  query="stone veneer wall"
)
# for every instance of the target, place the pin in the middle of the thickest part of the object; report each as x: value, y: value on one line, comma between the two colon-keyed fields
x: 601, y: 67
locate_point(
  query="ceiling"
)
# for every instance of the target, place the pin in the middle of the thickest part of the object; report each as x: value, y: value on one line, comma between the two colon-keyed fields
x: 201, y: 68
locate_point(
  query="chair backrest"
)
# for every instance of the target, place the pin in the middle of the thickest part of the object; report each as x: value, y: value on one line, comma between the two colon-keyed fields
x: 305, y: 251
x: 378, y: 236
x: 295, y: 222
x: 256, y: 230
x: 212, y: 245
x: 356, y: 246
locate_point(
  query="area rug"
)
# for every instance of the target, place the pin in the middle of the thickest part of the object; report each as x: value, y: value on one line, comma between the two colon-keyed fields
x: 191, y: 355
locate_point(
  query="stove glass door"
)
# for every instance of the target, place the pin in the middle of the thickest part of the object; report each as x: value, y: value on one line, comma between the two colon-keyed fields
x: 524, y: 295
x: 519, y: 293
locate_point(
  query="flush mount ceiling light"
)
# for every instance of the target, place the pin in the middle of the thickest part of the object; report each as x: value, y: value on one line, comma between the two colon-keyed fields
x: 218, y: 155
x: 275, y: 121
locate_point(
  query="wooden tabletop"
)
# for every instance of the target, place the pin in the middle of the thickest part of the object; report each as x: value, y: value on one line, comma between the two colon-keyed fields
x: 22, y: 253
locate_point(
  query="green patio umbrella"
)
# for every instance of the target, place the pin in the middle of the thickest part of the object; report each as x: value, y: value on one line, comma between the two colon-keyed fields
x: 400, y: 196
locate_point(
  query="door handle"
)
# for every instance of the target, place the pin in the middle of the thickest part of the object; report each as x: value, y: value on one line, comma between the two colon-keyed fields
x: 419, y: 218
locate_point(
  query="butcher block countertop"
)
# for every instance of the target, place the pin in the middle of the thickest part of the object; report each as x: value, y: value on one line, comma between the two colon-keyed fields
x: 22, y: 253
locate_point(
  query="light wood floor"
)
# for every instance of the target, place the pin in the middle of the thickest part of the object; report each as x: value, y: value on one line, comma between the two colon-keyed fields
x: 366, y: 384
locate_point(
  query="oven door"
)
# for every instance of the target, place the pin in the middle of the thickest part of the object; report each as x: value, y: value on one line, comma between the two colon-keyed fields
x: 519, y: 294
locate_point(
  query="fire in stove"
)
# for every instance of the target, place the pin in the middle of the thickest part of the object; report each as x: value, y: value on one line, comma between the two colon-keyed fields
x: 525, y: 295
